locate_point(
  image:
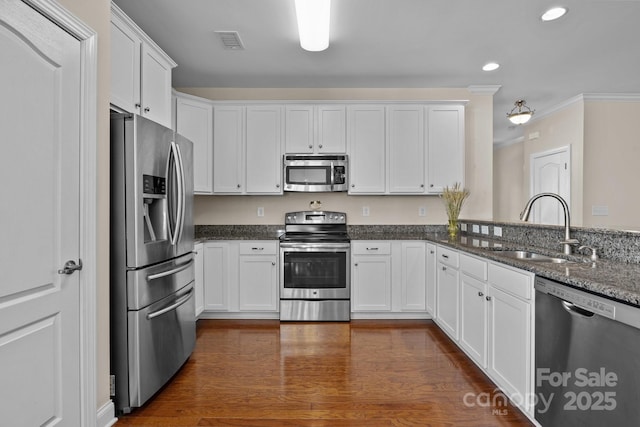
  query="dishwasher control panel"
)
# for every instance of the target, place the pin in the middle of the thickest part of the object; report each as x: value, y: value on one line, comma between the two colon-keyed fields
x: 591, y: 303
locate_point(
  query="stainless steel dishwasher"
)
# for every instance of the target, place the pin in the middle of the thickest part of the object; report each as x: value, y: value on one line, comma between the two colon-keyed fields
x: 587, y: 358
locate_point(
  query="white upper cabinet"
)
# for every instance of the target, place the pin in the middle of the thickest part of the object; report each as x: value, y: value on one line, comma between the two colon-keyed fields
x: 264, y: 150
x: 367, y: 149
x: 445, y: 156
x: 228, y: 138
x: 194, y: 120
x: 406, y: 144
x: 315, y: 129
x: 140, y: 71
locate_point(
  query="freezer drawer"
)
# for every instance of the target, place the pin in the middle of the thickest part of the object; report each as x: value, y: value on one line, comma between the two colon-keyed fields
x: 161, y: 338
x: 148, y: 285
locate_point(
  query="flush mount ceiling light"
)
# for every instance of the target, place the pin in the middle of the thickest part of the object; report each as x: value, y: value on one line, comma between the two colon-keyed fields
x: 520, y: 114
x: 490, y: 66
x: 554, y: 13
x: 313, y: 23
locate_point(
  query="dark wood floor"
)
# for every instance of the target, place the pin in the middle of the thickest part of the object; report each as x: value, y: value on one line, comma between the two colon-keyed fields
x: 362, y: 373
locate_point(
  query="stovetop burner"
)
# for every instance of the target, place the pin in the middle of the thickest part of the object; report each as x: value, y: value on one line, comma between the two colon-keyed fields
x: 315, y: 226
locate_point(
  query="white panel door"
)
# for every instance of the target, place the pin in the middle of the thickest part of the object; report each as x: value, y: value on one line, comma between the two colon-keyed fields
x: 550, y: 173
x: 39, y: 308
x: 263, y: 150
x: 367, y: 145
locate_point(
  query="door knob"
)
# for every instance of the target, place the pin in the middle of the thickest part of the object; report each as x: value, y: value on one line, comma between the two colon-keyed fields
x: 70, y: 266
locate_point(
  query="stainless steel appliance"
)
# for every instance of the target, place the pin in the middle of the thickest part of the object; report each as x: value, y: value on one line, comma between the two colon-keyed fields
x: 315, y: 173
x: 587, y: 358
x: 152, y: 272
x: 315, y: 282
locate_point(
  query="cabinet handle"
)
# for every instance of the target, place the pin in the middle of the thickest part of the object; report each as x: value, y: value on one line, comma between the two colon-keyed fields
x: 257, y: 249
x: 480, y: 294
x: 147, y: 109
x: 445, y: 256
x: 488, y: 297
x: 372, y: 249
x: 431, y: 252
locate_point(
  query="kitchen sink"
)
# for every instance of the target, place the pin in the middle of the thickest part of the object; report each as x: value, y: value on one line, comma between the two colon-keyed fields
x: 531, y: 256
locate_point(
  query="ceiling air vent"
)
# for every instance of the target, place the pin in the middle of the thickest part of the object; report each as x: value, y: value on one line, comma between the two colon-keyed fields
x: 230, y: 40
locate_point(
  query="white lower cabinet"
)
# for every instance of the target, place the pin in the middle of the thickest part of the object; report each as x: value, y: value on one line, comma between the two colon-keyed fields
x: 447, y: 291
x: 388, y: 279
x: 510, y: 338
x: 198, y: 263
x: 257, y: 276
x: 487, y: 308
x: 241, y: 279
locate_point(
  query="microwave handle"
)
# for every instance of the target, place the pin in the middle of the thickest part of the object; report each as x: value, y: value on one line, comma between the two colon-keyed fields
x: 333, y: 180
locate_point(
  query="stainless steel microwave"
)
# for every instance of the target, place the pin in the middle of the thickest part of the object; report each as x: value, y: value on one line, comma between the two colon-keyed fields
x: 315, y: 173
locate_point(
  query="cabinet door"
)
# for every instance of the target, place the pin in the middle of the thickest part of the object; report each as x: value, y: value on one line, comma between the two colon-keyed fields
x: 331, y: 129
x: 366, y: 146
x: 263, y: 150
x: 194, y: 120
x: 199, y: 277
x: 447, y: 296
x: 228, y: 144
x: 371, y: 283
x: 216, y: 276
x: 258, y: 285
x: 299, y: 132
x: 473, y: 318
x: 125, y: 66
x: 510, y: 344
x: 413, y: 289
x: 431, y: 279
x: 406, y: 143
x: 445, y: 142
x: 155, y: 86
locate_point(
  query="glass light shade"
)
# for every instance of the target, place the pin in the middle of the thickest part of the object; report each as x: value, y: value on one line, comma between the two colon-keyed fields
x: 313, y: 23
x: 520, y: 118
x: 553, y: 13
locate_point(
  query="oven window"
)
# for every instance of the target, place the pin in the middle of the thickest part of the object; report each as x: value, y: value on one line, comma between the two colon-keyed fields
x: 315, y: 270
x: 308, y: 175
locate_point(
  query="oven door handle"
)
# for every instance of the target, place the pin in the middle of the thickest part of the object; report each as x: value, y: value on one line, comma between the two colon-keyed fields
x: 301, y: 247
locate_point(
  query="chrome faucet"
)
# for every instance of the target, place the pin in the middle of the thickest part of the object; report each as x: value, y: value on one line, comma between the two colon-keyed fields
x: 568, y: 241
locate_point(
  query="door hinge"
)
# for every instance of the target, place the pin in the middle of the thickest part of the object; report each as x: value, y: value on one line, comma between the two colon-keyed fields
x: 112, y: 385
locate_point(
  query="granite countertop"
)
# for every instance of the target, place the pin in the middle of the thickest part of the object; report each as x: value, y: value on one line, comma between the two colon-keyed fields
x: 613, y: 279
x: 617, y: 280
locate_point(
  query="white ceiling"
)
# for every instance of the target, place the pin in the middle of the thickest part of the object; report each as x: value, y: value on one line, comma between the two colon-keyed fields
x: 595, y: 48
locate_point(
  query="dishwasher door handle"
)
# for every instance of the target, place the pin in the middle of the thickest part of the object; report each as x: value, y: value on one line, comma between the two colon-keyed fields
x: 574, y: 309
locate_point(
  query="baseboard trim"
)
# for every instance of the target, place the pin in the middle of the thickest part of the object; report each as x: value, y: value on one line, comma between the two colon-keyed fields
x: 106, y: 415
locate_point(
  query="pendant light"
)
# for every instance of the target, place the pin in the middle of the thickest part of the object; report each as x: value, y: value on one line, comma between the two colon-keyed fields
x: 520, y: 114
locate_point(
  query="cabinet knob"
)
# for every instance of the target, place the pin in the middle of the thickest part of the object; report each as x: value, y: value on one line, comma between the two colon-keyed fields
x: 488, y: 298
x: 353, y: 185
x: 238, y: 185
x: 277, y: 185
x: 421, y: 185
x: 310, y: 146
x: 147, y: 109
x: 355, y: 265
x: 273, y: 263
x: 480, y: 294
x: 431, y: 185
x: 444, y: 268
x: 320, y: 146
x: 431, y: 252
x: 137, y: 105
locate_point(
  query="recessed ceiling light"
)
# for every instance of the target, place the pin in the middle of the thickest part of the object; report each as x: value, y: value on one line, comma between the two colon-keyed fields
x: 554, y: 13
x: 490, y: 66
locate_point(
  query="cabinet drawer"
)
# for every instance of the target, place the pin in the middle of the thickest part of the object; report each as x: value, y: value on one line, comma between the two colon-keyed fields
x: 447, y: 256
x: 473, y: 267
x: 372, y: 247
x: 258, y: 248
x: 515, y: 282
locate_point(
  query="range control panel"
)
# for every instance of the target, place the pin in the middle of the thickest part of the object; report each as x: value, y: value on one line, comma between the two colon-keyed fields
x: 315, y: 217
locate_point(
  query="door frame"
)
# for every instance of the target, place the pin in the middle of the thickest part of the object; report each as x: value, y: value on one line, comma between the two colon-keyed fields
x: 88, y: 200
x: 558, y: 150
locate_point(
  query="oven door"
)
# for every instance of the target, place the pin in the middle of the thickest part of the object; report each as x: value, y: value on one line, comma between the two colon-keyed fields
x: 315, y: 271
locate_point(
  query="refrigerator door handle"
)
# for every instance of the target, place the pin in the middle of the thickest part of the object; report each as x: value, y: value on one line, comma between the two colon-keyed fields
x: 173, y: 172
x: 169, y: 272
x: 181, y: 193
x: 172, y: 307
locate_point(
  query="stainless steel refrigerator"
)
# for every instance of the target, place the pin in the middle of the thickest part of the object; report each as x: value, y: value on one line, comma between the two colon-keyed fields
x: 152, y: 273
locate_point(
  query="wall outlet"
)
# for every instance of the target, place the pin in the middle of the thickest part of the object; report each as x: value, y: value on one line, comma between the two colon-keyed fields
x: 260, y: 211
x: 422, y: 211
x: 365, y: 211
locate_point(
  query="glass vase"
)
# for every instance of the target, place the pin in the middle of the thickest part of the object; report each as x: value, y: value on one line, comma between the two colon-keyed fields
x: 453, y: 228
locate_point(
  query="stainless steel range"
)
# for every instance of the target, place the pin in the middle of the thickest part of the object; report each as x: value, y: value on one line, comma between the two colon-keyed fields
x: 315, y: 284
